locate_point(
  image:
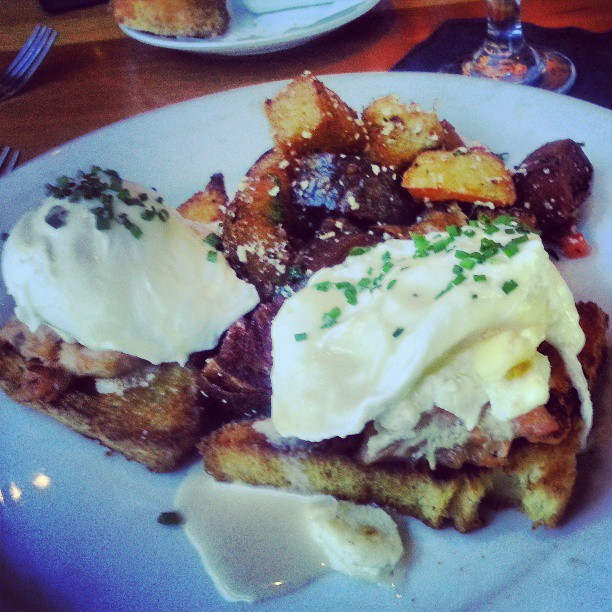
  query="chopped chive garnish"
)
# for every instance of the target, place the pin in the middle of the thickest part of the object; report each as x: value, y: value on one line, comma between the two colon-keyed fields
x: 504, y: 219
x: 445, y: 290
x: 213, y: 240
x: 458, y: 279
x: 350, y: 293
x: 331, y: 318
x: 398, y: 332
x: 212, y: 256
x: 453, y: 230
x: 480, y: 278
x: 324, y: 286
x: 420, y: 242
x: 510, y: 250
x: 468, y: 264
x: 387, y: 267
x: 56, y: 217
x: 509, y: 286
x: 391, y: 284
x: 301, y: 337
x: 359, y: 250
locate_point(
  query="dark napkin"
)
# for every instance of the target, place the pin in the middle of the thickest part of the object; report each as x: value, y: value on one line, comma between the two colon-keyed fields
x: 591, y: 53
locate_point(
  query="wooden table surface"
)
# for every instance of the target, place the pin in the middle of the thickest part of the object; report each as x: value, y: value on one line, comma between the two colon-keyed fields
x: 96, y: 75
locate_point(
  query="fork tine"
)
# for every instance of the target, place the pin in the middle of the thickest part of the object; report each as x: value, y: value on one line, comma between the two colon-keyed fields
x: 4, y: 154
x: 30, y: 50
x: 38, y: 42
x: 25, y: 49
x: 8, y: 159
x: 38, y: 47
x: 35, y: 59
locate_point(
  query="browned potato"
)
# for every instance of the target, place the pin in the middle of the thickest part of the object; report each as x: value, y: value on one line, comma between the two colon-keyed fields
x: 467, y: 175
x: 255, y: 242
x: 307, y: 117
x: 552, y: 182
x: 398, y: 132
x: 438, y: 218
x: 274, y: 164
x: 348, y: 185
x: 450, y: 138
x: 208, y: 205
x: 331, y: 245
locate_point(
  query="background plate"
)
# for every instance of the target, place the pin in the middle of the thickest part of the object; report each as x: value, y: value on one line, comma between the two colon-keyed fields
x: 89, y: 539
x: 251, y: 34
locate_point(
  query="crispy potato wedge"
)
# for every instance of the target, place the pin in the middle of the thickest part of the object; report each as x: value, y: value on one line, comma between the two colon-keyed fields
x: 307, y: 117
x: 208, y: 205
x: 466, y: 175
x: 398, y: 132
x: 255, y: 242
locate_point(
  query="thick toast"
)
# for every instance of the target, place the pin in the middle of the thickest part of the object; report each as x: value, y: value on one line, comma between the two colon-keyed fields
x: 537, y: 478
x: 157, y: 424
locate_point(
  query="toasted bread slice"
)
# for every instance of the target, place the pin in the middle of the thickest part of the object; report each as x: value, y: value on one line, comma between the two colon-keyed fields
x: 191, y: 18
x: 157, y: 424
x: 537, y: 478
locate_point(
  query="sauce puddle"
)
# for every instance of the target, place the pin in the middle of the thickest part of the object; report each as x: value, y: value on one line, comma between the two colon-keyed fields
x: 254, y: 542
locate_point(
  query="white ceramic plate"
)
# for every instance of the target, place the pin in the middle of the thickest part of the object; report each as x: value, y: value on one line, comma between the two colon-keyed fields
x: 251, y: 34
x: 89, y: 540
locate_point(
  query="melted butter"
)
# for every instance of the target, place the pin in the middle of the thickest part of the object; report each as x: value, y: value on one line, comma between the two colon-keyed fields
x: 254, y: 542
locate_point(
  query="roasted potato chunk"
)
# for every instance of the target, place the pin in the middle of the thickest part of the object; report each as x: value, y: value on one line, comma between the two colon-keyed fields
x: 438, y: 218
x: 347, y: 185
x: 450, y: 137
x: 332, y: 244
x: 255, y: 242
x: 398, y: 132
x: 307, y: 117
x: 552, y: 182
x: 466, y: 175
x: 208, y: 205
x: 272, y: 163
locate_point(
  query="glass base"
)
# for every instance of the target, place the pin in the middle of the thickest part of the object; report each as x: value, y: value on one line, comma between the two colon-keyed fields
x: 554, y: 72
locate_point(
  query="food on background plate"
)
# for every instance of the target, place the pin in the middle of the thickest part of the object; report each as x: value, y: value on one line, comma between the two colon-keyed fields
x: 426, y: 374
x: 115, y: 292
x: 189, y: 18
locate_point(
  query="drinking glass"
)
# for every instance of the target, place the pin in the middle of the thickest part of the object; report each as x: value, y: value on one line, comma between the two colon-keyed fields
x: 505, y: 55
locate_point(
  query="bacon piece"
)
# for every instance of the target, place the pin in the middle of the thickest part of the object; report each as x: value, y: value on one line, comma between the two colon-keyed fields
x: 538, y: 425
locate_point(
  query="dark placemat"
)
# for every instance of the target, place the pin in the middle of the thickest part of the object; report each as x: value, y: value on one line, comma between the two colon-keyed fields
x: 591, y: 53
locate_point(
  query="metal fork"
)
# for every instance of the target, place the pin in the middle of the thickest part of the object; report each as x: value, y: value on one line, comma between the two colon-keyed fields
x: 8, y: 159
x: 26, y: 62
